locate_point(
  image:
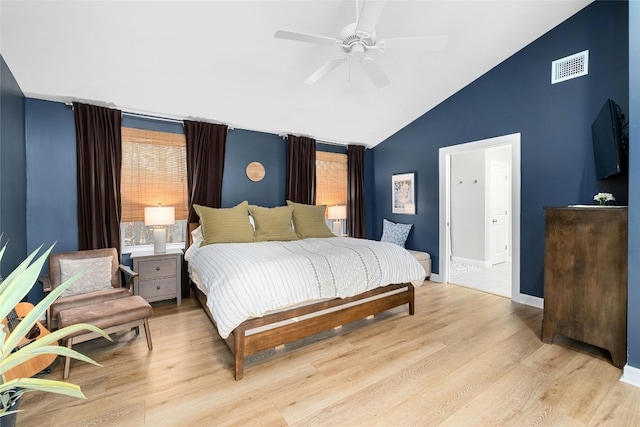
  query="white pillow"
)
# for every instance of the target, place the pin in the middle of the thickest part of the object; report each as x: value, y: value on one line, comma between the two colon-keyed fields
x: 95, y: 278
x: 196, y: 236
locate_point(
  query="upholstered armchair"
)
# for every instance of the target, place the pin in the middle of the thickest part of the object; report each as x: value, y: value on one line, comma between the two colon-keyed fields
x: 101, y: 282
x: 97, y: 297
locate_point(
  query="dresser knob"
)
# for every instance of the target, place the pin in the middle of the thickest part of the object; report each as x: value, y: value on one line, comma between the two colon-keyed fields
x: 158, y: 287
x: 157, y: 268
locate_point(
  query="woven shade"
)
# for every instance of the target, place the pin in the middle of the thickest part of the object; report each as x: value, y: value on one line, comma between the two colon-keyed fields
x: 331, y: 178
x: 154, y: 171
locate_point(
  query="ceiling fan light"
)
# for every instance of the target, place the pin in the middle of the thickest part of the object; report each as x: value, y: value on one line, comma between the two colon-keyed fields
x: 357, y: 49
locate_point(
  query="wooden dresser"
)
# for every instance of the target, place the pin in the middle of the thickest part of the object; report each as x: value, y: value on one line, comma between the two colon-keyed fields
x: 585, y: 277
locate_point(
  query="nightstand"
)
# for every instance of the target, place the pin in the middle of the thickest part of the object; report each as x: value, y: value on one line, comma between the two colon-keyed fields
x: 159, y: 275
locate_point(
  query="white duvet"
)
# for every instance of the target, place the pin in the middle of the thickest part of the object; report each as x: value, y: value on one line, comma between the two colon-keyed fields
x: 245, y: 280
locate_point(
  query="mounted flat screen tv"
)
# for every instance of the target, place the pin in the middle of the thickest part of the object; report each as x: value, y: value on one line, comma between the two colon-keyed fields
x: 606, y: 132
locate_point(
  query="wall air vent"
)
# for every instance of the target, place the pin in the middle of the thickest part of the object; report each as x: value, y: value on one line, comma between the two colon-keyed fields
x: 570, y: 67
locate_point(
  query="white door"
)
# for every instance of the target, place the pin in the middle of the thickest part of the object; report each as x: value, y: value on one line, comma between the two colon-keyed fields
x: 499, y: 197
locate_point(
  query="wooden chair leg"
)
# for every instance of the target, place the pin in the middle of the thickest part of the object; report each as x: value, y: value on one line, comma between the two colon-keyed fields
x: 67, y: 360
x: 147, y: 332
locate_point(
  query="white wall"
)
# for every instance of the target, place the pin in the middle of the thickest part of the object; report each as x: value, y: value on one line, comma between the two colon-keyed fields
x: 468, y: 189
x: 470, y: 207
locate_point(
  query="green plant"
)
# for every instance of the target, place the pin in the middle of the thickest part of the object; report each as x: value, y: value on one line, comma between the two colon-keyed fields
x: 12, y: 290
x: 604, y: 198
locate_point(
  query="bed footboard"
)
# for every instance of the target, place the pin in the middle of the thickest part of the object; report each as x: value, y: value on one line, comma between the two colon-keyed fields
x: 278, y: 328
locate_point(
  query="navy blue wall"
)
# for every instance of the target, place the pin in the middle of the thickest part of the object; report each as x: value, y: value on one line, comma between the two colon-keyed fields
x: 554, y: 122
x: 633, y: 337
x: 244, y: 147
x: 52, y: 199
x: 52, y: 208
x: 13, y: 176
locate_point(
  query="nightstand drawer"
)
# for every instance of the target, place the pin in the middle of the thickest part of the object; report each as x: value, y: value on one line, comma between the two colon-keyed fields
x: 159, y: 275
x: 152, y: 289
x: 157, y: 268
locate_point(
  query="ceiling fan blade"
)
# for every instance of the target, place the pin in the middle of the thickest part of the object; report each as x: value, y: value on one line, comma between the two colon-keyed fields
x: 420, y: 43
x: 374, y: 72
x: 325, y: 69
x: 369, y: 16
x: 303, y: 37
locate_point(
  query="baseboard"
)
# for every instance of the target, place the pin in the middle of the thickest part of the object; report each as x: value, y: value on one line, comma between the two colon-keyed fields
x: 631, y: 375
x: 529, y: 300
x: 468, y: 261
x: 521, y: 298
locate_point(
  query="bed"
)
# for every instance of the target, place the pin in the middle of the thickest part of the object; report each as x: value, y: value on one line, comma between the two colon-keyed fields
x: 264, y: 294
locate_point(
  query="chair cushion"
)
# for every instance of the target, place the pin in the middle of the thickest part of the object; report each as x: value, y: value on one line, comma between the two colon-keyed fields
x: 84, y: 299
x: 107, y: 313
x: 96, y: 276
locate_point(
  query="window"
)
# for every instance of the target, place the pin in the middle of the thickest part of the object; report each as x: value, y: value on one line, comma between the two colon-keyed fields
x: 331, y: 183
x: 154, y: 171
x: 331, y: 178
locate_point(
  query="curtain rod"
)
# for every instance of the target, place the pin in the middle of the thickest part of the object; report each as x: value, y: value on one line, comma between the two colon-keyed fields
x: 178, y: 119
x: 152, y: 116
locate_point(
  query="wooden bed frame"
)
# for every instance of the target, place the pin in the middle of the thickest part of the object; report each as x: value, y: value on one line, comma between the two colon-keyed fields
x: 319, y: 317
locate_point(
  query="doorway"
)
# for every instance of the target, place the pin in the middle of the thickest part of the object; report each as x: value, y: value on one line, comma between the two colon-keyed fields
x: 486, y: 235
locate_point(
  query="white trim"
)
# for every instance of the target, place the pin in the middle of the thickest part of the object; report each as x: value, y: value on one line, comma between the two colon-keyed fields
x: 529, y: 300
x: 444, y: 165
x: 476, y: 262
x: 520, y: 299
x: 149, y: 248
x: 631, y: 375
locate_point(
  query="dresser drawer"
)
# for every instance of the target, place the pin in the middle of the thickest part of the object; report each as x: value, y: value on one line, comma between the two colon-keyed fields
x: 157, y: 268
x: 157, y: 289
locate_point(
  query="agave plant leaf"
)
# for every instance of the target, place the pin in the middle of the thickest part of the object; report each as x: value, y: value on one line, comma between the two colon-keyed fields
x: 41, y: 346
x: 40, y: 384
x: 26, y: 280
x: 12, y: 291
x: 14, y: 288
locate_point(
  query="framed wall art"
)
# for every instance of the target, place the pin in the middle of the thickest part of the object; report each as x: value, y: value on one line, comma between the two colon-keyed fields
x: 403, y: 193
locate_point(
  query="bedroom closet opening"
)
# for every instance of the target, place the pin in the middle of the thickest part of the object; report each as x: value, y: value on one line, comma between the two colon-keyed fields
x: 481, y: 214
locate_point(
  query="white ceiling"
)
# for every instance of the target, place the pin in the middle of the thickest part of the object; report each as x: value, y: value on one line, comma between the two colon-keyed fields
x: 218, y: 61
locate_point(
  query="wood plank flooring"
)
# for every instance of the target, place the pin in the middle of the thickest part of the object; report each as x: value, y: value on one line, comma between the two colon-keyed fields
x: 466, y: 358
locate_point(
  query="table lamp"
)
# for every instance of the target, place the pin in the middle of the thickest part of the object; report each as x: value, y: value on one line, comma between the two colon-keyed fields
x: 337, y: 214
x: 159, y: 217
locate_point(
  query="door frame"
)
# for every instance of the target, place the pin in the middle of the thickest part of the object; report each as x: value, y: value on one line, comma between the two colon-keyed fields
x: 444, y: 166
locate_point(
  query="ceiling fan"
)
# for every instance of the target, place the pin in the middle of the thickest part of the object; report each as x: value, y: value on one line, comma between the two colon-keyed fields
x: 358, y: 39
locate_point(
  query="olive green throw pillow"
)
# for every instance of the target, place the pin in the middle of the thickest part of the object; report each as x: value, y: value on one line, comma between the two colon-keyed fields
x: 225, y: 225
x: 308, y: 220
x: 273, y: 223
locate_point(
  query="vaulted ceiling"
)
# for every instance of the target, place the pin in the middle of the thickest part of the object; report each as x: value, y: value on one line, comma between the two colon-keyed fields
x: 219, y: 61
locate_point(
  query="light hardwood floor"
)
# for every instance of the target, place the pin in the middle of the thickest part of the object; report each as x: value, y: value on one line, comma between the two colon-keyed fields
x: 466, y: 358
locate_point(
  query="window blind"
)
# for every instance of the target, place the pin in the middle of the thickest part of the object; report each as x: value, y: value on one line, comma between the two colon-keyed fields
x: 154, y: 171
x: 331, y: 178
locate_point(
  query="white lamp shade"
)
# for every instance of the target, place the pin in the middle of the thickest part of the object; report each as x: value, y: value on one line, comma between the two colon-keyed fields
x: 159, y: 215
x: 337, y: 212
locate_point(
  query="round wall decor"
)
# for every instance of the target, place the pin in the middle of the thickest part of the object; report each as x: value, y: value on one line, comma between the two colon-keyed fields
x: 255, y: 171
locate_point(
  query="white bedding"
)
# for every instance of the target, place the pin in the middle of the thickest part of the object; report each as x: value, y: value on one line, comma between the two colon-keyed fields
x: 245, y: 280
